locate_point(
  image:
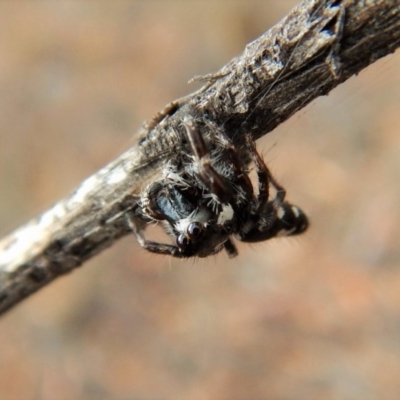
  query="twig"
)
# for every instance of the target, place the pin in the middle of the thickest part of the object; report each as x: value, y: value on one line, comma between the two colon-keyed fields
x: 317, y: 46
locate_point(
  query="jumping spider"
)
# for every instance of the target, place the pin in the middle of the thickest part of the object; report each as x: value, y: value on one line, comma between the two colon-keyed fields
x: 206, y: 198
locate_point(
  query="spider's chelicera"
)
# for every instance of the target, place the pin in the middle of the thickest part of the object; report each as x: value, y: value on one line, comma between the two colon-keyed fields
x: 206, y: 198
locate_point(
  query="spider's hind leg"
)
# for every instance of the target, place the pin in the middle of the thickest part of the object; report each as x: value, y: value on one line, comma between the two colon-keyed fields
x: 230, y: 248
x: 265, y: 178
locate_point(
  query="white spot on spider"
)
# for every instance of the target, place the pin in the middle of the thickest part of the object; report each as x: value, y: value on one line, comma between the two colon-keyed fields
x: 296, y: 211
x: 203, y: 215
x: 285, y: 232
x: 281, y: 213
x: 226, y: 214
x: 182, y: 224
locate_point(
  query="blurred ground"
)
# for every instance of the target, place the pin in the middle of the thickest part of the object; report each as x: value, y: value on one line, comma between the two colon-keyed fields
x: 314, y: 317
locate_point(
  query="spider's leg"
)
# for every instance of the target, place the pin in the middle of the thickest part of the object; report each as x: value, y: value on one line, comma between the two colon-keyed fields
x: 241, y: 175
x: 154, y: 247
x: 230, y: 248
x: 264, y: 178
x: 214, y: 182
x: 280, y: 191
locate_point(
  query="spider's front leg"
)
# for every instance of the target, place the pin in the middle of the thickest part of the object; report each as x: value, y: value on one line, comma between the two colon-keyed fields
x: 207, y: 174
x: 154, y: 247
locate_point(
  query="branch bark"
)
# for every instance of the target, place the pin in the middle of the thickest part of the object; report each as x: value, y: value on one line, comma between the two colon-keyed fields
x: 319, y: 45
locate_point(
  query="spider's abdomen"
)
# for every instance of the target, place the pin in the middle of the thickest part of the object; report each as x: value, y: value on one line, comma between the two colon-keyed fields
x: 288, y: 220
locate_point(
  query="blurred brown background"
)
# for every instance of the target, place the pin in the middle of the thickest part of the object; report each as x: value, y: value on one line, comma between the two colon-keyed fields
x: 314, y: 317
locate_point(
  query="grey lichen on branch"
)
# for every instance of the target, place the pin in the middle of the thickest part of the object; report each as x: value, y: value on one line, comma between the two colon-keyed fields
x: 316, y: 47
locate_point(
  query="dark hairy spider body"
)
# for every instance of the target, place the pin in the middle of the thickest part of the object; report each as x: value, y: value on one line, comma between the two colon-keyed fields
x: 205, y: 198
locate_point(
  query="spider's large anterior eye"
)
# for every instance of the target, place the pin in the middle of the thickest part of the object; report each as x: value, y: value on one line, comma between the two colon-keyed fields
x: 182, y: 241
x: 195, y: 230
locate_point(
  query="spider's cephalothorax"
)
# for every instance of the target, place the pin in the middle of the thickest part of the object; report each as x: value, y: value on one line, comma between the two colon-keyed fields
x: 207, y: 198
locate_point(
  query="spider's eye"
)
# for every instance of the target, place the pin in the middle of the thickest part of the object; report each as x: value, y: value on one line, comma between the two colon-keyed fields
x: 182, y: 242
x: 195, y: 230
